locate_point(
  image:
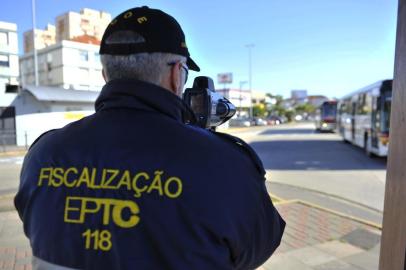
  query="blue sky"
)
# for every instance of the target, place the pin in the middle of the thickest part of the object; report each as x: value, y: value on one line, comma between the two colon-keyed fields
x: 328, y: 47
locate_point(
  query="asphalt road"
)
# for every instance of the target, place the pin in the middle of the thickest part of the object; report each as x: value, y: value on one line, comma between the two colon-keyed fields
x: 297, y: 156
x: 9, y: 173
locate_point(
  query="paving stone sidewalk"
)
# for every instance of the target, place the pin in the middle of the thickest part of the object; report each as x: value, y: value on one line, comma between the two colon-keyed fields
x: 314, y: 239
x: 15, y: 251
x: 323, y: 240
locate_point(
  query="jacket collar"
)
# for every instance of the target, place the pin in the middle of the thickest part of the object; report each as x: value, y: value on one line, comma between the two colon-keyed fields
x: 135, y: 94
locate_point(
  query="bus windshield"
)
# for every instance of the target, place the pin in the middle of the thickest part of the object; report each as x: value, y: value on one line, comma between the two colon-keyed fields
x: 329, y: 110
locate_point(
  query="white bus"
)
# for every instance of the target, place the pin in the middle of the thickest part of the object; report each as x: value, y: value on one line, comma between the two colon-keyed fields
x: 363, y: 117
x: 326, y: 116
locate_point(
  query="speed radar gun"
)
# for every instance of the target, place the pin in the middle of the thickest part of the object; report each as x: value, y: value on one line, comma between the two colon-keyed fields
x: 211, y: 109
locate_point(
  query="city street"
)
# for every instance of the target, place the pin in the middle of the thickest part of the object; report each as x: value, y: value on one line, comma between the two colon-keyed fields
x: 329, y: 192
x: 296, y: 156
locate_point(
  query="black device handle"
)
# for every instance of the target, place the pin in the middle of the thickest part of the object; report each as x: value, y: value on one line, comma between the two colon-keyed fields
x: 204, y: 82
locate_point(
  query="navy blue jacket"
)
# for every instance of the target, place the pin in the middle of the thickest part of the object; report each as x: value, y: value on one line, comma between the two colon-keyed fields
x: 133, y: 187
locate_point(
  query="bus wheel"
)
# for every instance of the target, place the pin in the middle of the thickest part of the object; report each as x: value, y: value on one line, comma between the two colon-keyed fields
x: 367, y: 147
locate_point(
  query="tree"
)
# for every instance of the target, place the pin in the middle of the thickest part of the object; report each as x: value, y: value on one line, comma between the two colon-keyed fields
x: 259, y: 110
x: 305, y: 108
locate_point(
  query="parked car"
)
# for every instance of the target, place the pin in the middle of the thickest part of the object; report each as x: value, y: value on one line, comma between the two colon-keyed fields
x: 299, y: 118
x: 260, y: 122
x: 239, y: 122
x: 274, y: 120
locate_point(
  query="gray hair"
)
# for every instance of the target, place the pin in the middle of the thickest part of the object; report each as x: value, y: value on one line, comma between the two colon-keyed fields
x: 149, y: 67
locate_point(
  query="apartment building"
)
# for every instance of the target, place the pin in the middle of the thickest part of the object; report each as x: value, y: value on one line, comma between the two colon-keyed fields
x: 43, y: 38
x: 9, y: 69
x: 66, y: 64
x: 87, y: 22
x: 68, y: 52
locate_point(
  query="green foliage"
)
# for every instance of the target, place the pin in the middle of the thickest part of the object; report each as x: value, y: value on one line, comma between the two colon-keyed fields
x: 305, y: 108
x: 259, y: 110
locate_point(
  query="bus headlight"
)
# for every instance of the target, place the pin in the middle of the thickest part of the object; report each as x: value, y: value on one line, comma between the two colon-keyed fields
x: 384, y: 139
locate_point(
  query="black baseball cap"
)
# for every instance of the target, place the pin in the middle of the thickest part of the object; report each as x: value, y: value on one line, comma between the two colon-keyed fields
x: 161, y: 33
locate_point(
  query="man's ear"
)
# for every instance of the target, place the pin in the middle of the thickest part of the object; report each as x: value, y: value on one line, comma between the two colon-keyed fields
x: 104, y: 75
x: 175, y: 77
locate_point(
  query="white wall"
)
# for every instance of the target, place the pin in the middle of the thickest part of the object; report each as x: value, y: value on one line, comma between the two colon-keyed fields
x: 66, y: 107
x: 13, y: 42
x: 14, y: 67
x: 82, y: 75
x: 11, y: 50
x: 31, y: 126
x: 6, y: 99
x: 233, y: 95
x: 60, y: 65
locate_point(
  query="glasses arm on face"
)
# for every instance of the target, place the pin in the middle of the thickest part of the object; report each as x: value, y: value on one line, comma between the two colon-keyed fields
x: 183, y: 66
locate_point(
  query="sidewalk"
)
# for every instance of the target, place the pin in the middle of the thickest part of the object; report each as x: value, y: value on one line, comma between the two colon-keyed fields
x: 12, y: 150
x: 321, y: 239
x: 314, y: 239
x: 15, y: 251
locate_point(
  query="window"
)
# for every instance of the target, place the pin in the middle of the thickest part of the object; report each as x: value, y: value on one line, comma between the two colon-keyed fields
x: 97, y: 57
x: 84, y: 56
x: 361, y: 106
x: 3, y: 38
x: 4, y: 61
x: 368, y: 103
x: 49, y: 61
x: 49, y: 57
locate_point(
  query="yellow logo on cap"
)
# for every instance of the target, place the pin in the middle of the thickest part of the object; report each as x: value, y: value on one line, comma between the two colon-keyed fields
x: 129, y: 14
x: 141, y: 20
x: 183, y: 44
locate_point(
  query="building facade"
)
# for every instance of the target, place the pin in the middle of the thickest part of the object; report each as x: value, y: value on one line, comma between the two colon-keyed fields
x: 240, y: 98
x: 87, y: 26
x: 9, y: 67
x: 258, y: 98
x: 87, y: 22
x: 43, y: 38
x: 316, y: 100
x: 68, y: 52
x: 67, y: 64
x: 9, y: 73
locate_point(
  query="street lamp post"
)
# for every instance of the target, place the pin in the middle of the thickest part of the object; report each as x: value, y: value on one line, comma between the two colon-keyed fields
x: 250, y: 46
x: 34, y: 38
x: 240, y: 107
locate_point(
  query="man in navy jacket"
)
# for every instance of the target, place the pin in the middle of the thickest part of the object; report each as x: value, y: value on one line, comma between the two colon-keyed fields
x: 133, y: 186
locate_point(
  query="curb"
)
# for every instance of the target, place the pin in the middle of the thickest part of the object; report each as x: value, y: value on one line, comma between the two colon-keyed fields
x: 7, y: 203
x: 13, y: 153
x: 330, y: 195
x: 322, y: 208
x: 277, y: 198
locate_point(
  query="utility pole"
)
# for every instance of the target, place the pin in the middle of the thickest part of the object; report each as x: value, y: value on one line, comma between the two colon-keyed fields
x: 393, y: 241
x: 34, y: 38
x: 250, y: 46
x: 240, y: 99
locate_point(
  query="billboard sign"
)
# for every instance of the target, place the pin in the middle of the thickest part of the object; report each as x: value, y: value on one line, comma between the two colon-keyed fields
x: 223, y: 78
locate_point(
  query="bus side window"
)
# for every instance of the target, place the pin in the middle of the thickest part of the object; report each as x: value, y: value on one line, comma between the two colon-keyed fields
x: 378, y: 113
x: 348, y: 106
x: 362, y: 108
x: 368, y: 103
